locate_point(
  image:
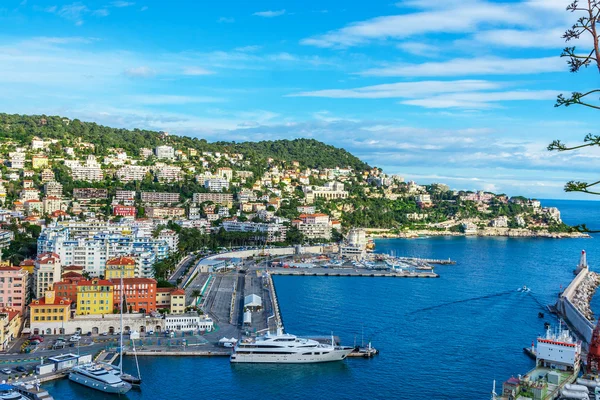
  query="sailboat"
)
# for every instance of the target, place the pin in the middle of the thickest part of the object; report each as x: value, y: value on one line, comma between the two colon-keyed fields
x: 133, y: 380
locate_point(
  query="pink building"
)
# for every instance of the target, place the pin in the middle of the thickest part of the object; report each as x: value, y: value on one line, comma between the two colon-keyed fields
x: 13, y: 288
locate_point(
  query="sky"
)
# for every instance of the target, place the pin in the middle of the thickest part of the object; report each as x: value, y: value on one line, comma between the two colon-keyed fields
x: 460, y: 91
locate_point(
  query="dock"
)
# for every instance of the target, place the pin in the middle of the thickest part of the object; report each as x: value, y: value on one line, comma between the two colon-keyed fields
x: 154, y: 353
x: 428, y: 260
x: 351, y: 272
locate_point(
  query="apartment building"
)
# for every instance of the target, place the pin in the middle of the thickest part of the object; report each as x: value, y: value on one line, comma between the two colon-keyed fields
x: 14, y: 292
x: 224, y: 199
x: 159, y: 197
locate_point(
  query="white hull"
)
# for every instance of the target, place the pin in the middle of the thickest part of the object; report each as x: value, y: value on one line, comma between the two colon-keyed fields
x: 296, y: 358
x: 101, y: 386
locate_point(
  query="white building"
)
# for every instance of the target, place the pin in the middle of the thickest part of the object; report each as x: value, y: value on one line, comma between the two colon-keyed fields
x: 216, y: 184
x: 130, y: 173
x: 164, y: 152
x: 188, y: 322
x: 271, y: 232
x: 53, y: 189
x: 169, y: 174
x: 171, y: 237
x: 89, y: 172
x: 46, y: 272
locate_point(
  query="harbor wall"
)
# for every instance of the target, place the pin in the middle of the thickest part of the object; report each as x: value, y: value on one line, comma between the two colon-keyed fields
x: 273, y: 251
x: 570, y: 313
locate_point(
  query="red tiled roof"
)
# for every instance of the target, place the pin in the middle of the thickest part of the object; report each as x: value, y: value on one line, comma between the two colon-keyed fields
x: 178, y: 292
x: 27, y: 263
x: 133, y: 281
x: 72, y: 274
x: 42, y: 302
x: 95, y: 282
x: 10, y: 268
x: 73, y: 268
x: 121, y: 261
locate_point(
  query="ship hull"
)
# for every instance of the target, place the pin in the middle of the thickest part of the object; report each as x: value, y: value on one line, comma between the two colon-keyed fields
x: 102, y: 387
x: 296, y: 358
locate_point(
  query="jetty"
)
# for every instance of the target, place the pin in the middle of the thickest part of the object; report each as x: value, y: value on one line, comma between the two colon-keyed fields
x: 352, y: 272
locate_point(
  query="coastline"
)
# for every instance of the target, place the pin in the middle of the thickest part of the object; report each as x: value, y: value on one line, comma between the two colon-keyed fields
x: 498, y: 232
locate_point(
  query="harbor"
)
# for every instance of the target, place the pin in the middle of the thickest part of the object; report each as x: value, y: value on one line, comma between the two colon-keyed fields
x: 567, y: 358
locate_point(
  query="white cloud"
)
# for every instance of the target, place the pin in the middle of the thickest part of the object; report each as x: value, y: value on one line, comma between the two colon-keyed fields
x: 103, y: 12
x: 226, y: 20
x: 419, y: 49
x: 543, y: 38
x: 248, y: 49
x: 481, y: 99
x: 140, y: 72
x: 269, y: 13
x: 196, y: 71
x: 121, y: 3
x: 153, y: 99
x: 403, y: 89
x: 473, y: 66
x: 455, y: 17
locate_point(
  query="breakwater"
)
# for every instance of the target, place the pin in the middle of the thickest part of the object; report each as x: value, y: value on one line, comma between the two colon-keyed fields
x: 571, y: 309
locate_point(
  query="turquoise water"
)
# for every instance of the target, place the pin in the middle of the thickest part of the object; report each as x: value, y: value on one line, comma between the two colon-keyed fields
x: 434, y: 344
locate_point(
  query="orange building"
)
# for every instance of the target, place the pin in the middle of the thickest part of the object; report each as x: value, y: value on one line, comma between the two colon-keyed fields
x: 140, y: 294
x: 67, y: 288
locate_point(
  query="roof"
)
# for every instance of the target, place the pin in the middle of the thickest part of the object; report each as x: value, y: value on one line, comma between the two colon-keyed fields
x: 42, y: 302
x: 73, y: 268
x: 27, y: 263
x: 252, y: 300
x: 164, y: 289
x: 10, y: 268
x: 71, y: 274
x: 121, y: 261
x: 132, y: 281
x: 95, y: 282
x: 178, y: 292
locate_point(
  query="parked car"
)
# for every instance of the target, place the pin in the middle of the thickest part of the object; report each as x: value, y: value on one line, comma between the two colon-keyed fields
x: 21, y: 369
x: 34, y: 342
x: 75, y: 338
x: 6, y: 371
x: 36, y: 337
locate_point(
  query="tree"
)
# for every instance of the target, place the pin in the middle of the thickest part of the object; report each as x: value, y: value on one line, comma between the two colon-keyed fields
x: 585, y: 26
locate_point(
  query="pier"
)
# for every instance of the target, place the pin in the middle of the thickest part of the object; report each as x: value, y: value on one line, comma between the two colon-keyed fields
x: 351, y: 272
x: 572, y: 304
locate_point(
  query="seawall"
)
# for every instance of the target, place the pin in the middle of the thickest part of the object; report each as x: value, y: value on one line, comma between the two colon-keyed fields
x: 570, y: 313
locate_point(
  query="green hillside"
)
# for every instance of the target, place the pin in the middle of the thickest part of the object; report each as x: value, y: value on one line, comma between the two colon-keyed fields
x: 308, y: 152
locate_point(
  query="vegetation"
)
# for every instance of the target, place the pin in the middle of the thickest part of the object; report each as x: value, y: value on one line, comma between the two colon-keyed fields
x: 307, y: 152
x: 586, y: 26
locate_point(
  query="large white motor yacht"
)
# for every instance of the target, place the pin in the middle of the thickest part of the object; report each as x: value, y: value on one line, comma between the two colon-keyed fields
x: 285, y: 348
x: 98, y: 377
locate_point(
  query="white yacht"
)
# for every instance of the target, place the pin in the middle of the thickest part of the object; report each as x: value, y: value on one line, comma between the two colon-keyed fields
x: 7, y: 392
x: 96, y: 376
x: 284, y: 348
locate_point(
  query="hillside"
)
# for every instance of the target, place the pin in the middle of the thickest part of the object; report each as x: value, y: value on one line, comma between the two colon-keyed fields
x: 308, y: 152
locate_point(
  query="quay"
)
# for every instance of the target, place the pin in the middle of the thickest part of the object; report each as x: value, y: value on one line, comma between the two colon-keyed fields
x: 154, y: 353
x: 351, y: 272
x: 428, y: 260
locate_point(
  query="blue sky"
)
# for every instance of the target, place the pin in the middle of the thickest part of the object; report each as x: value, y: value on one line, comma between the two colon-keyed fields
x: 461, y: 92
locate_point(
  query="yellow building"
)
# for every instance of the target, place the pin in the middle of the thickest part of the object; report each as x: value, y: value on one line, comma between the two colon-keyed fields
x: 178, y: 301
x: 10, y: 326
x: 171, y: 299
x: 39, y: 162
x: 49, y: 308
x: 115, y: 267
x: 94, y: 297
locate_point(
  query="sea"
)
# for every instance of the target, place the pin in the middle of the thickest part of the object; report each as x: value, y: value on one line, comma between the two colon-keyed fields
x: 445, y: 338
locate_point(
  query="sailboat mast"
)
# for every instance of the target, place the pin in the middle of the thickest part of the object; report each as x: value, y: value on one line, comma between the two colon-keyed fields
x: 121, y: 312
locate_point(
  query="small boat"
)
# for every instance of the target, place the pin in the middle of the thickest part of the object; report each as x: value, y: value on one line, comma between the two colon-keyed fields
x: 524, y: 289
x: 540, y: 315
x: 7, y: 392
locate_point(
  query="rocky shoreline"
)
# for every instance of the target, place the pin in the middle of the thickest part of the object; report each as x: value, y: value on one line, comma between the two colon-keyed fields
x: 583, y: 296
x: 498, y: 232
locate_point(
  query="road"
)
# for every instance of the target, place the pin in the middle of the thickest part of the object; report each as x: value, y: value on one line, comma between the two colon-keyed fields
x: 181, y: 268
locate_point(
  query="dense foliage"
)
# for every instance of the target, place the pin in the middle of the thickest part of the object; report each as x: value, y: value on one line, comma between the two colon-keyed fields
x: 308, y: 152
